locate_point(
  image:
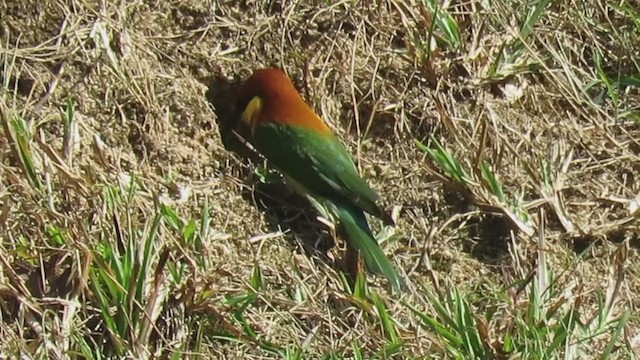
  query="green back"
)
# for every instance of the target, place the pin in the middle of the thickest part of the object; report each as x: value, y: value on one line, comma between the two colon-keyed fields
x: 320, y: 163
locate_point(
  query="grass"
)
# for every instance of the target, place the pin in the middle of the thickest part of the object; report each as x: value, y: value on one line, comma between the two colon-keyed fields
x: 504, y: 136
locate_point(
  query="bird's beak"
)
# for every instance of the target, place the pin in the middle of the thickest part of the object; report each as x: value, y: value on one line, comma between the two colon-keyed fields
x: 251, y: 112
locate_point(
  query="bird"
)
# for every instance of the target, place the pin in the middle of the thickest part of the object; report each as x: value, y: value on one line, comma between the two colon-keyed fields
x: 314, y: 162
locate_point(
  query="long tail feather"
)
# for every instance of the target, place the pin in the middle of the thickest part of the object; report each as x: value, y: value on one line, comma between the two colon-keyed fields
x: 359, y: 235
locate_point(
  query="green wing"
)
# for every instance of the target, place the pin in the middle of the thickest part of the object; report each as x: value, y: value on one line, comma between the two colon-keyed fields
x: 321, y: 164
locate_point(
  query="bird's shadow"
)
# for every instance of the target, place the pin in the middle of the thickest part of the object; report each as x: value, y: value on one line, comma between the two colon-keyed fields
x: 285, y: 211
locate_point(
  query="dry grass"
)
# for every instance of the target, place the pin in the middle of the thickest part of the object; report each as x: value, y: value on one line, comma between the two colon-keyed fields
x: 129, y: 229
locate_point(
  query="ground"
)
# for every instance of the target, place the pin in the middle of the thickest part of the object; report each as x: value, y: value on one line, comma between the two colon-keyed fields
x: 504, y: 137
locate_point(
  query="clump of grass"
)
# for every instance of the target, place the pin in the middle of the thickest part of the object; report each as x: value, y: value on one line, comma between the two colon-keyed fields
x: 483, y: 188
x: 128, y: 276
x: 541, y: 316
x: 17, y: 131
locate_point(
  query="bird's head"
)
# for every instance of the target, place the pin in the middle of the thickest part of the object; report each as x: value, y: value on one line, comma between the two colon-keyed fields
x: 269, y: 96
x: 264, y: 92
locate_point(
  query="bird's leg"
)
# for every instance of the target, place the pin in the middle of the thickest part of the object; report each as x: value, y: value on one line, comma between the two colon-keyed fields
x: 353, y: 262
